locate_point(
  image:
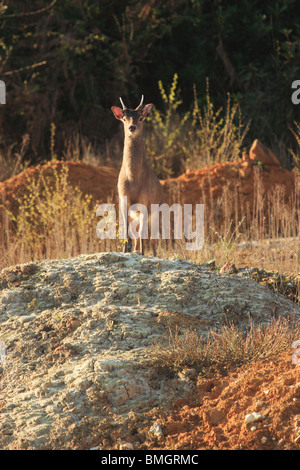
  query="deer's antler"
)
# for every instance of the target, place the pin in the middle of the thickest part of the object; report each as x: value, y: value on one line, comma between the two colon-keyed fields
x: 123, y: 105
x: 141, y: 103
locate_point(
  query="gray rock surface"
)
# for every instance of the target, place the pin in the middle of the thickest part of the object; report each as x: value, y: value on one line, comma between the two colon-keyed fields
x: 77, y: 333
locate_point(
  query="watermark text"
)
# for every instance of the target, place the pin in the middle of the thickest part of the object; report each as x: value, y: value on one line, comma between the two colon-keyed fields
x: 134, y: 222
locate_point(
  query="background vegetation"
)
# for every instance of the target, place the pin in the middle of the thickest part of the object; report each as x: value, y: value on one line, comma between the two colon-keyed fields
x: 219, y: 73
x: 66, y: 62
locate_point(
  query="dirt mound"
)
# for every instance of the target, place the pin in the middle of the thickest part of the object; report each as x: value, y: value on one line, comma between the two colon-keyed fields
x: 256, y: 407
x: 220, y: 183
x: 98, y: 181
x: 214, y: 185
x: 79, y: 334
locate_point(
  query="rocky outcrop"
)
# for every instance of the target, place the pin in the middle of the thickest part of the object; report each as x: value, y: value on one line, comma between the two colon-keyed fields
x: 78, y: 333
x: 260, y: 153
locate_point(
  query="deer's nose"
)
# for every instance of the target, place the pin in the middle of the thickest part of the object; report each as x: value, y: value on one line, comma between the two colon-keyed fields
x: 132, y: 128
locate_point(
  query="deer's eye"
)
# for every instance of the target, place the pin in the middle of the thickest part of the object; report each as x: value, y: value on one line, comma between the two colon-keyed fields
x: 141, y: 118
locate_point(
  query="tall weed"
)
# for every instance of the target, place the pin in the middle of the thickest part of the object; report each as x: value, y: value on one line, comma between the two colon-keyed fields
x: 176, y: 142
x: 164, y: 133
x: 224, y: 348
x: 216, y: 136
x: 54, y: 219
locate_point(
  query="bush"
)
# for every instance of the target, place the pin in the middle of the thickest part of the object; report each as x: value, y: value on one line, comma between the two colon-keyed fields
x: 176, y: 142
x: 67, y: 63
x: 54, y: 220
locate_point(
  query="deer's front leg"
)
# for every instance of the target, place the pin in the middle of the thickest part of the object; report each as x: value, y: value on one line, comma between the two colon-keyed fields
x: 139, y: 227
x: 123, y: 221
x: 137, y: 240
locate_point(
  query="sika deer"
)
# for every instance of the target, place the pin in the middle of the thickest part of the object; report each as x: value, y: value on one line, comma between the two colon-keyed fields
x: 136, y: 179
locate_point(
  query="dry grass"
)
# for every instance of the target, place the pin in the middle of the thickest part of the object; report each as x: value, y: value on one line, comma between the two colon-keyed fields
x: 224, y: 348
x: 215, y: 136
x: 267, y: 237
x: 176, y: 142
x: 55, y: 220
x: 48, y: 225
x: 12, y: 159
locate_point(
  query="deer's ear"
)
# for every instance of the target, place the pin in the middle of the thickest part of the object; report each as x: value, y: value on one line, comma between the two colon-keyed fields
x: 118, y: 112
x: 146, y: 111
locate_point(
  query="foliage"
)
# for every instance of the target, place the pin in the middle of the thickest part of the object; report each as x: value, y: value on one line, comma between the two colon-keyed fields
x: 296, y: 154
x: 67, y: 62
x: 54, y: 219
x: 219, y: 136
x: 176, y: 142
x: 164, y: 144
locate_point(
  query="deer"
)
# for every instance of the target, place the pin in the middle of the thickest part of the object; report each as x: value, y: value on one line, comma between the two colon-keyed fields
x: 136, y: 181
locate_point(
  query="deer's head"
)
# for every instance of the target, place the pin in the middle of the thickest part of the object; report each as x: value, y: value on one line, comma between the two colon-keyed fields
x: 132, y: 118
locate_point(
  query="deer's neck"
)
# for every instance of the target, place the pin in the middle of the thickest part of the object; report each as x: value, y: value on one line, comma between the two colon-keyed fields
x: 133, y: 156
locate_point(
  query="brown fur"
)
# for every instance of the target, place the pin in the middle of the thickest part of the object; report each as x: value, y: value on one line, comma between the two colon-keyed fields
x: 136, y: 179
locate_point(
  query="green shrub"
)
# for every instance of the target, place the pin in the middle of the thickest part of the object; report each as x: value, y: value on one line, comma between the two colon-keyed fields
x: 178, y: 141
x: 163, y: 137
